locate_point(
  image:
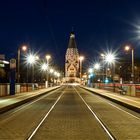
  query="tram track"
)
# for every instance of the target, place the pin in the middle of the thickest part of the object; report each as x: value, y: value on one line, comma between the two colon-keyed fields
x: 71, y: 113
x: 14, y: 111
x: 45, y: 117
x: 115, y: 105
x: 103, y: 125
x: 120, y: 121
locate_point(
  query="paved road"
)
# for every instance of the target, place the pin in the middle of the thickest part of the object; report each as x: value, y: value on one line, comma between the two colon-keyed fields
x: 69, y: 113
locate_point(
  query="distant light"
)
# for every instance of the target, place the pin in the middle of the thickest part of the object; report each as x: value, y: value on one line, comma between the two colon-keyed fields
x: 110, y: 58
x: 102, y: 55
x: 37, y: 57
x: 48, y: 56
x: 55, y: 73
x: 106, y: 80
x: 5, y: 62
x: 127, y: 48
x: 81, y: 58
x: 51, y: 70
x: 97, y: 66
x: 58, y: 74
x: 24, y: 48
x: 91, y: 75
x: 90, y: 70
x: 31, y: 59
x: 44, y: 67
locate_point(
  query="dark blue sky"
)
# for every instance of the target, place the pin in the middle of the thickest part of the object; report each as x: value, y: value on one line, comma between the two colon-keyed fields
x: 46, y: 25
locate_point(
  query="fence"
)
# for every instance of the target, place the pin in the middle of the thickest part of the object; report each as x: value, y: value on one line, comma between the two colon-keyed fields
x: 20, y: 88
x: 130, y: 89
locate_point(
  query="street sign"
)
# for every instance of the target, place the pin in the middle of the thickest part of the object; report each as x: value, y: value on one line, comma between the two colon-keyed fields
x: 12, y: 63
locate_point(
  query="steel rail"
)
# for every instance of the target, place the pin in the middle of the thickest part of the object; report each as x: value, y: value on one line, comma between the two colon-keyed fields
x: 19, y: 108
x: 97, y: 118
x: 115, y: 106
x: 44, y: 118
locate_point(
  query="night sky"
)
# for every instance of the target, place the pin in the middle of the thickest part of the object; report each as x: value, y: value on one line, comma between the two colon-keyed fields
x: 46, y: 25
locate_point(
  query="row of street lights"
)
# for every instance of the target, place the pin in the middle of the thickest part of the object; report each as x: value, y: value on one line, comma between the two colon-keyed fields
x: 109, y: 59
x: 32, y: 59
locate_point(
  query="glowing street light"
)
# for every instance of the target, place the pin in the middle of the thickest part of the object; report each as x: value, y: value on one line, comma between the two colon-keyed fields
x: 48, y: 57
x: 24, y: 49
x: 51, y: 70
x: 110, y: 58
x: 32, y: 59
x: 102, y: 55
x: 90, y: 70
x: 128, y: 48
x: 81, y: 58
x: 97, y: 66
x: 44, y: 67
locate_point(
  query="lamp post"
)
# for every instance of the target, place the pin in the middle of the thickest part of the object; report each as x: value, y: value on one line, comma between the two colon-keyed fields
x: 23, y: 48
x: 52, y: 78
x: 48, y: 57
x: 44, y: 67
x: 81, y: 58
x: 110, y: 59
x: 31, y: 59
x: 97, y: 68
x: 103, y: 59
x: 127, y: 48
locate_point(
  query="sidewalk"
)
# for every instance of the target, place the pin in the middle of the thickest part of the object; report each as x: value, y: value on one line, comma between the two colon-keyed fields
x: 130, y: 102
x: 12, y: 101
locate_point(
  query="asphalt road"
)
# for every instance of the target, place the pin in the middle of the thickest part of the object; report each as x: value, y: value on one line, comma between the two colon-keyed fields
x: 70, y: 113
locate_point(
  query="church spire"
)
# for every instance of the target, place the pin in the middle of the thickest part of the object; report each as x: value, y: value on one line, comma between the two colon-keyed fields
x: 72, y: 42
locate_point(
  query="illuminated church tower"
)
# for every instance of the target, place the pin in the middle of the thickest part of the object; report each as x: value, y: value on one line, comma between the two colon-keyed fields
x: 72, y: 61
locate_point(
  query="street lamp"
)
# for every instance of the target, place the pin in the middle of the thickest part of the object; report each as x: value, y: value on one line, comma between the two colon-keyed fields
x: 24, y: 49
x: 128, y: 48
x: 81, y: 58
x: 103, y: 59
x: 44, y: 67
x: 48, y: 57
x: 97, y: 66
x: 31, y: 59
x: 110, y: 59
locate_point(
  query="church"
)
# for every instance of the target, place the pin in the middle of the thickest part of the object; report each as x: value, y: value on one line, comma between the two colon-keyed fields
x: 72, y: 61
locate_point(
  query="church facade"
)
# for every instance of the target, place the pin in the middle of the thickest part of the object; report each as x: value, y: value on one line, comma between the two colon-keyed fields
x: 72, y: 61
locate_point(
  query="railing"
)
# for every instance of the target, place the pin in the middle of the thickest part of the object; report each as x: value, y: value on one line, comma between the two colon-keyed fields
x: 129, y: 89
x: 20, y: 88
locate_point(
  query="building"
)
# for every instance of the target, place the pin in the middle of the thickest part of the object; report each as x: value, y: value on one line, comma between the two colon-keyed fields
x: 4, y: 69
x: 72, y: 61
